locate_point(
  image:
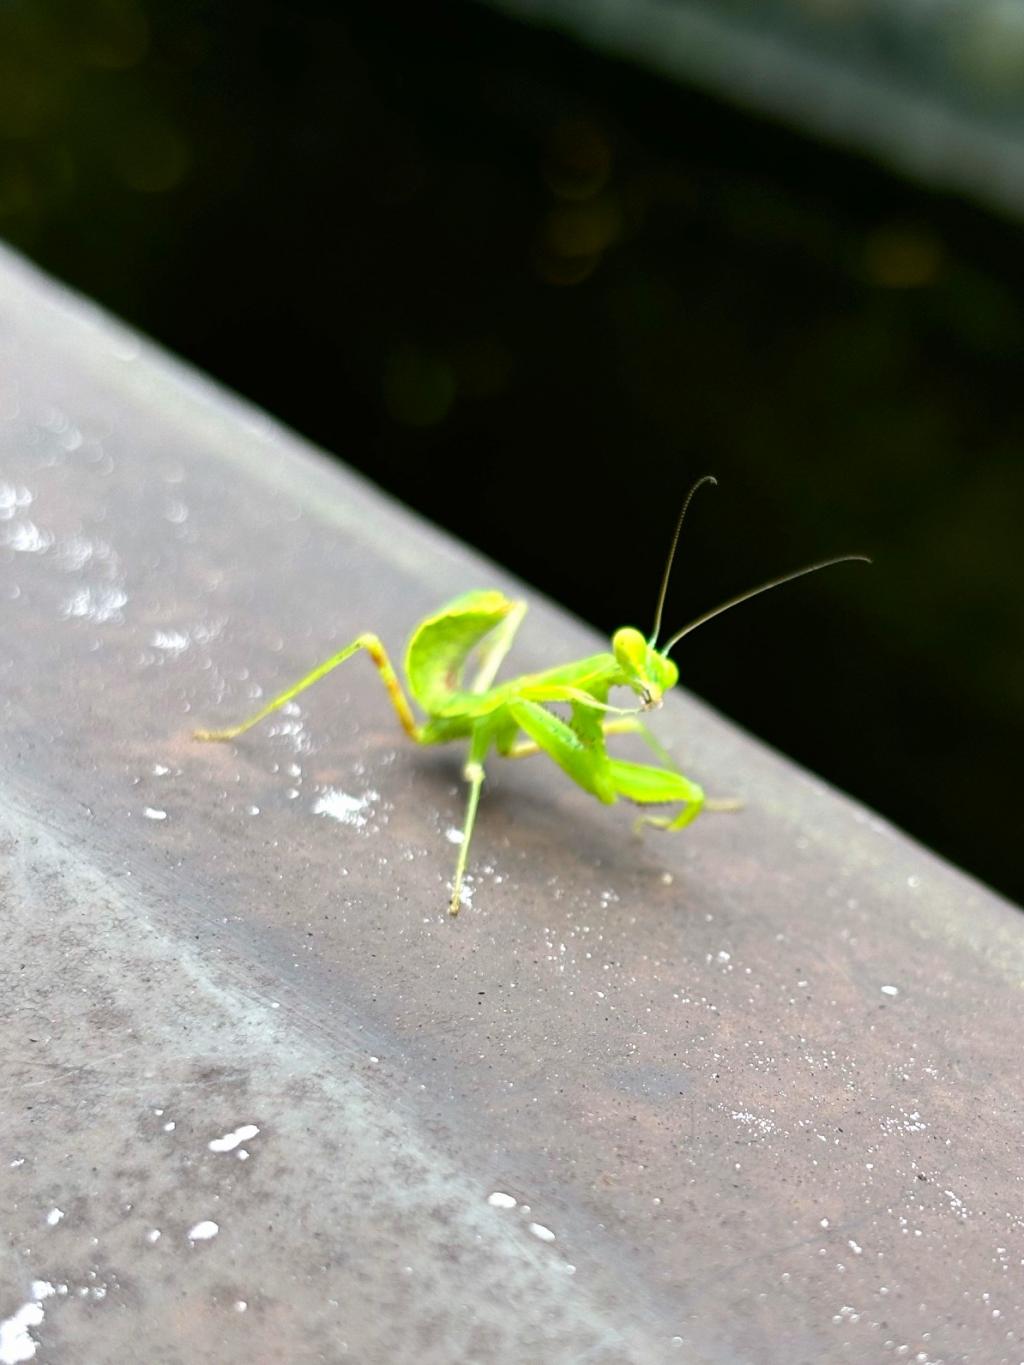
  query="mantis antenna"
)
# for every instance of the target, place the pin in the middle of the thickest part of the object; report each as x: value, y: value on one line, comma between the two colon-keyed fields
x: 706, y: 478
x: 754, y: 592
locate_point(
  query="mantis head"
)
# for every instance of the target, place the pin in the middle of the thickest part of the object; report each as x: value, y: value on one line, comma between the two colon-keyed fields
x: 647, y: 672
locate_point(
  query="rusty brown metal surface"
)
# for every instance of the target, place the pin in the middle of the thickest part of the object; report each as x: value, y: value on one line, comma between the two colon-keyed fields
x: 746, y: 1094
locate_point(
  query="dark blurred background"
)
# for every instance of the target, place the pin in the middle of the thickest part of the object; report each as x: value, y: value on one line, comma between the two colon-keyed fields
x: 534, y: 288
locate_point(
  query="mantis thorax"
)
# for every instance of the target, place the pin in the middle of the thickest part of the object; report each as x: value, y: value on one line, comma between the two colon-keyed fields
x: 647, y: 672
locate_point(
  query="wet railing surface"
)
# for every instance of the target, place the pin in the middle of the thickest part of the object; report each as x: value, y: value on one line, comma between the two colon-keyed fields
x: 747, y: 1093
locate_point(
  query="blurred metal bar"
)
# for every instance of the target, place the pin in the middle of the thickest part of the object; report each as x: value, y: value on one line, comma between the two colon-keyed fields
x: 751, y: 1093
x: 936, y: 91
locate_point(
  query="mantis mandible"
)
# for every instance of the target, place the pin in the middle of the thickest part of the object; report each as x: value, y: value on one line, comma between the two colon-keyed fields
x: 497, y: 716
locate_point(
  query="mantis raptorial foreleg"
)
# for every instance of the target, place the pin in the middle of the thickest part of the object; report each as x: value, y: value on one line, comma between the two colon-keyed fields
x: 377, y: 653
x: 586, y: 767
x: 718, y: 804
x: 632, y: 725
x: 651, y: 786
x: 627, y: 725
x: 608, y: 778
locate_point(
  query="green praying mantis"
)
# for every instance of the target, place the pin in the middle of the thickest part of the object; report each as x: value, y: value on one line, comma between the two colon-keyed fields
x: 497, y: 716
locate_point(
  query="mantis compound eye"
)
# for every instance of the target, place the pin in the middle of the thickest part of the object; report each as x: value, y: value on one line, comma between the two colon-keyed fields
x: 631, y: 651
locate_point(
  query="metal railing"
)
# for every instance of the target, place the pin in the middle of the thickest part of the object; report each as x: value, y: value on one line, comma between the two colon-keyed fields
x: 745, y: 1093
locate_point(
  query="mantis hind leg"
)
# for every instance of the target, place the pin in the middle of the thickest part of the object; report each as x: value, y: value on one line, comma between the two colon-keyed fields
x: 377, y: 653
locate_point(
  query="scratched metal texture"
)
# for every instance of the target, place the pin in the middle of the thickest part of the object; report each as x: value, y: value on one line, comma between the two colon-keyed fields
x: 750, y: 1093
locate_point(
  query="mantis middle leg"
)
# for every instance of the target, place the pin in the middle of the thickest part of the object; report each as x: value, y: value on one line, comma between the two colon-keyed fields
x: 377, y: 653
x: 473, y: 772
